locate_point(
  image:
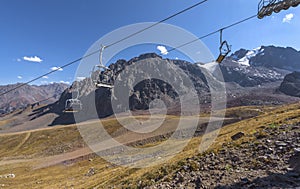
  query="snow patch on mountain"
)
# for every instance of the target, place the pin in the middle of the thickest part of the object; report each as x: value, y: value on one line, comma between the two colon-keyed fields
x: 250, y: 54
x: 210, y: 67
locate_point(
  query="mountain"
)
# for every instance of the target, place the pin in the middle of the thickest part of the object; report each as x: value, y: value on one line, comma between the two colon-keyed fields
x: 250, y: 76
x: 265, y: 64
x: 246, y: 84
x: 29, y: 94
x: 269, y: 57
x: 251, y: 84
x: 257, y: 147
x: 142, y: 94
x: 291, y: 84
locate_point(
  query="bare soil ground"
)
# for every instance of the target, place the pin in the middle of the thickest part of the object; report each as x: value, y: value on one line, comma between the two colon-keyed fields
x: 57, y: 157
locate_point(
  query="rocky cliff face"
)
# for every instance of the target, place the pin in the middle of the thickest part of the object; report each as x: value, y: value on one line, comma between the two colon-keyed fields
x: 250, y: 76
x: 141, y: 93
x: 291, y: 84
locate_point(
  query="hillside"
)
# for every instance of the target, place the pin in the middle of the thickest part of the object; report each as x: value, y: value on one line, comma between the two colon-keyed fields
x: 28, y: 95
x: 58, y: 158
x: 260, y: 122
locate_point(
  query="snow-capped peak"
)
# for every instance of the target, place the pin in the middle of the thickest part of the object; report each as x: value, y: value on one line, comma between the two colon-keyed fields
x: 252, y: 53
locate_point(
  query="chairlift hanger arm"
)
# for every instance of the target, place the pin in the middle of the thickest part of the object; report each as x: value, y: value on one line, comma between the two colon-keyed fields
x: 99, y: 83
x: 221, y: 36
x: 101, y: 55
x: 224, y: 49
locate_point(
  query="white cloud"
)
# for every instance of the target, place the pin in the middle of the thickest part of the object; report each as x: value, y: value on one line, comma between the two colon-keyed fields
x: 288, y: 18
x: 19, y: 60
x: 19, y: 77
x: 44, y: 82
x: 56, y: 68
x: 33, y: 59
x: 163, y: 50
x: 45, y: 77
x: 80, y: 78
x: 65, y: 82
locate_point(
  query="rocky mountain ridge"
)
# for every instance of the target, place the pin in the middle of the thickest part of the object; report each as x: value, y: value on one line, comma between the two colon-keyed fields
x: 29, y: 94
x: 270, y: 57
x: 243, y: 82
x: 291, y: 84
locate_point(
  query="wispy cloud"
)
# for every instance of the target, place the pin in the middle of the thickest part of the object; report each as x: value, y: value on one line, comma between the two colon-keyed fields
x: 33, y: 59
x: 65, y: 82
x: 288, y: 18
x: 80, y: 78
x: 56, y: 68
x: 19, y: 60
x: 44, y: 82
x: 45, y: 77
x: 163, y: 50
x: 19, y: 77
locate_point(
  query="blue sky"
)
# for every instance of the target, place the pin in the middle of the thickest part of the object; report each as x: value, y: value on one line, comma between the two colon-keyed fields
x: 36, y: 35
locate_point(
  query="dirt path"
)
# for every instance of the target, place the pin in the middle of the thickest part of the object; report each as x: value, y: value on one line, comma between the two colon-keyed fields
x: 14, y: 161
x: 57, y: 159
x: 27, y: 136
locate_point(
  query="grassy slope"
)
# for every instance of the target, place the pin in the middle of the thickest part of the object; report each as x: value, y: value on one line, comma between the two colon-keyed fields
x: 21, y: 154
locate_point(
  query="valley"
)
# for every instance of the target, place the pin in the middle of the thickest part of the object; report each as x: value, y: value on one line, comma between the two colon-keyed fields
x: 58, y: 157
x: 45, y: 147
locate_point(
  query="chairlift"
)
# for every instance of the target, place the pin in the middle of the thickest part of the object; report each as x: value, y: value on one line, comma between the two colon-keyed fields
x: 73, y: 105
x: 267, y: 7
x: 295, y: 3
x: 104, y: 80
x: 225, y: 49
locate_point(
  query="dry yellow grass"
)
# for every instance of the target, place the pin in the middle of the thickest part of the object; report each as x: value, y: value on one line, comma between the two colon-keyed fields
x: 39, y: 145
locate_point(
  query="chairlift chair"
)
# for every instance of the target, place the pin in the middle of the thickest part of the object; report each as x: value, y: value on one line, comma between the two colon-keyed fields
x: 103, y: 80
x: 277, y: 7
x: 73, y: 106
x: 290, y: 3
x: 266, y: 7
x: 295, y: 3
x: 225, y: 49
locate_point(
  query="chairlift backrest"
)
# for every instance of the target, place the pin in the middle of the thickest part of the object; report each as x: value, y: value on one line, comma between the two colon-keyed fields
x: 103, y: 80
x: 73, y: 105
x: 267, y: 7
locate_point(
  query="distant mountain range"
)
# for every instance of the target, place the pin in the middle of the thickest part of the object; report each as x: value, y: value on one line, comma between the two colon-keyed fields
x: 269, y: 57
x: 29, y: 95
x: 253, y: 77
x: 265, y: 64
